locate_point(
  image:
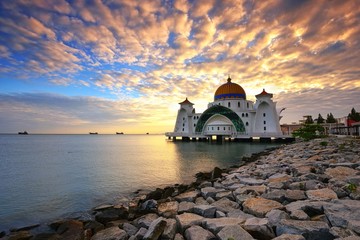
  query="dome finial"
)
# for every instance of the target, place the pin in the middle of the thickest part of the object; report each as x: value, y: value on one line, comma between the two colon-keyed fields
x: 229, y: 79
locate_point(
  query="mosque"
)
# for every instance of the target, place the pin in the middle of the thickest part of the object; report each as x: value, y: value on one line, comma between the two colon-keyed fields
x: 229, y: 116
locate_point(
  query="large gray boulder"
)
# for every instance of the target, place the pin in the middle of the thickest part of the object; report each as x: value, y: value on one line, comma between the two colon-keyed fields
x: 146, y: 220
x: 225, y: 205
x: 155, y: 230
x: 186, y: 207
x: 344, y: 213
x: 112, y: 233
x: 186, y: 220
x: 168, y: 209
x: 259, y: 207
x: 170, y: 229
x: 130, y: 229
x: 235, y: 232
x: 207, y: 211
x: 294, y: 195
x: 216, y: 224
x: 276, y: 195
x: 210, y: 192
x: 324, y: 194
x: 275, y: 216
x: 187, y: 196
x: 311, y: 230
x: 259, y: 228
x: 198, y: 233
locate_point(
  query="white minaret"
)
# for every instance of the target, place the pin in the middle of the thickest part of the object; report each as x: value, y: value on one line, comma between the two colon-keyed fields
x: 184, y: 121
x: 266, y: 117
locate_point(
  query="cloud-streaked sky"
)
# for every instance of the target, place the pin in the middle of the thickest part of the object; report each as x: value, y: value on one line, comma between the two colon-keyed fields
x: 124, y: 65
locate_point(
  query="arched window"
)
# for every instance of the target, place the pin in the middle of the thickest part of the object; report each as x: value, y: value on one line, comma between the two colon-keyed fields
x: 228, y: 104
x: 247, y: 124
x: 264, y: 128
x: 247, y: 115
x: 243, y: 115
x: 264, y: 114
x: 247, y: 105
x: 264, y: 122
x: 238, y: 104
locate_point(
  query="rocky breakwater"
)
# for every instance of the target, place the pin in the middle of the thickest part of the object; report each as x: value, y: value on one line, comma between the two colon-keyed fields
x: 306, y: 190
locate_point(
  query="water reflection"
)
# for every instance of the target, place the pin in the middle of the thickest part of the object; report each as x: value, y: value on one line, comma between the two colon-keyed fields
x: 193, y: 157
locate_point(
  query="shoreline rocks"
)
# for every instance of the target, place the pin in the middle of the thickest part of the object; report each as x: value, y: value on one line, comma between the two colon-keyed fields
x: 304, y: 190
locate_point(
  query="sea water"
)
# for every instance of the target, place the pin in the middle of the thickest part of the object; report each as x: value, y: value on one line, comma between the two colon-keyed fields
x: 43, y: 177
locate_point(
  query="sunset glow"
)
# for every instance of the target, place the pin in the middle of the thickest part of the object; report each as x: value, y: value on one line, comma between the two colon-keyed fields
x: 124, y: 65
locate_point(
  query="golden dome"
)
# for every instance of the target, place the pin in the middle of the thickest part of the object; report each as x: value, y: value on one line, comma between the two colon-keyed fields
x: 230, y: 90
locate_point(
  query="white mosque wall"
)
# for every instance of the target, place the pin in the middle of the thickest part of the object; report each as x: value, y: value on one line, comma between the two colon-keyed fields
x: 266, y: 119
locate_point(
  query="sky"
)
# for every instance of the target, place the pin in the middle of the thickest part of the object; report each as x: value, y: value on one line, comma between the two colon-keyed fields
x: 74, y: 66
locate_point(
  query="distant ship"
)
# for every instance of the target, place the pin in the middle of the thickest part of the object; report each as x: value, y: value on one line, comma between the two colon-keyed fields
x: 23, y: 133
x: 93, y: 133
x: 119, y: 133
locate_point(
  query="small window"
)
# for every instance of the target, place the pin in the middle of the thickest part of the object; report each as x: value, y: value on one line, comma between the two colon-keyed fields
x: 183, y: 119
x: 247, y: 115
x: 238, y: 104
x: 219, y: 104
x: 218, y: 128
x: 264, y: 114
x: 264, y: 122
x: 194, y: 125
x: 242, y: 115
x: 183, y: 129
x: 224, y: 128
x: 247, y: 105
x: 229, y: 104
x: 212, y: 128
x: 183, y: 124
x: 197, y: 117
x: 194, y: 117
x: 247, y: 124
x: 264, y: 128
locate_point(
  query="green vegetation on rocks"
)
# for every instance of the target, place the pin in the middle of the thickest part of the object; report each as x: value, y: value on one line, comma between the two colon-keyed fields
x: 309, y: 131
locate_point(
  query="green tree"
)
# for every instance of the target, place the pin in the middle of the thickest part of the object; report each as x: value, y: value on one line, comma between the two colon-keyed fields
x: 330, y: 118
x: 353, y: 115
x: 320, y: 119
x: 309, y: 131
x: 309, y: 120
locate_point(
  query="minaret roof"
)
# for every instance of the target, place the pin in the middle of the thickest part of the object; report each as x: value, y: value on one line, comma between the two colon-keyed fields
x: 186, y: 101
x: 264, y: 93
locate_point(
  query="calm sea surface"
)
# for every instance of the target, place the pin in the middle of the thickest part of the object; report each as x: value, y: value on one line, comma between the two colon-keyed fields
x: 42, y: 177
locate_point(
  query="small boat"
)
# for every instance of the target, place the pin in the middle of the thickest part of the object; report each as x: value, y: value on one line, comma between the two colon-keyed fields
x: 119, y: 133
x: 147, y: 133
x: 23, y: 133
x: 93, y: 133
